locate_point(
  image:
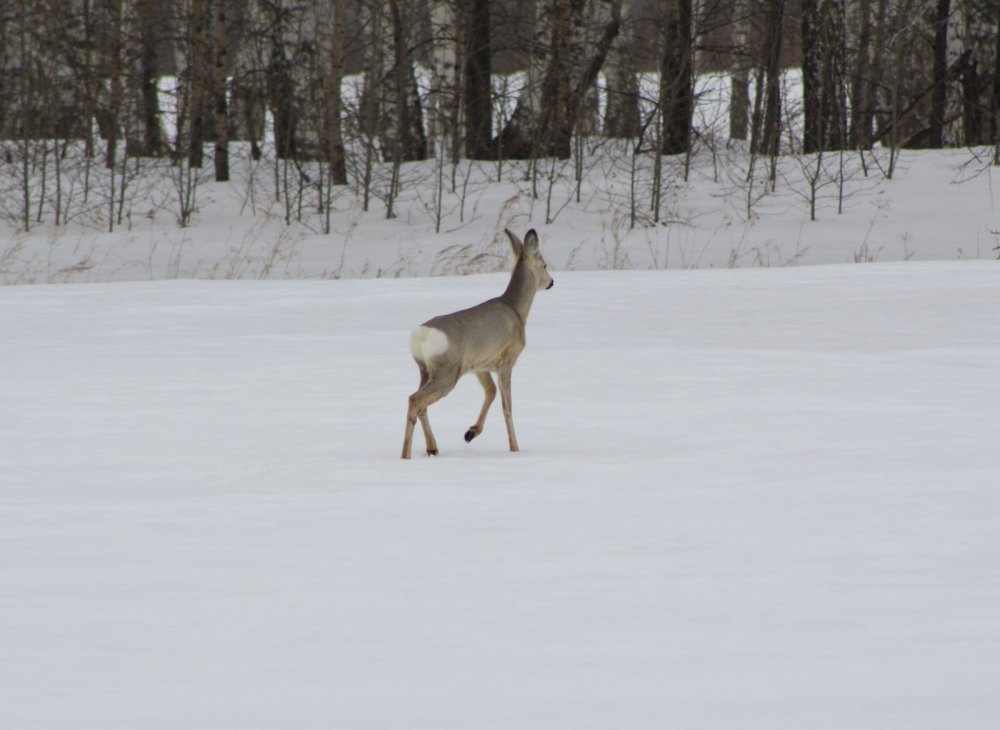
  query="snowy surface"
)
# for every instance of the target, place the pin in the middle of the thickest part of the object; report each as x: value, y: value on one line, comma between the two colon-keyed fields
x: 939, y: 205
x: 746, y: 499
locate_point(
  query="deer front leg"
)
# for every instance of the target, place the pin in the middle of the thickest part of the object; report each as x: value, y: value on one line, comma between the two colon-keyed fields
x: 491, y: 393
x: 504, y: 378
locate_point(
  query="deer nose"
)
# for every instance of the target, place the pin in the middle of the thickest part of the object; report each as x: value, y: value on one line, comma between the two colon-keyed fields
x: 552, y: 283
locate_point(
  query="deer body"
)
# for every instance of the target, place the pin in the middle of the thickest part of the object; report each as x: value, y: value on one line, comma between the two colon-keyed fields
x: 484, y: 339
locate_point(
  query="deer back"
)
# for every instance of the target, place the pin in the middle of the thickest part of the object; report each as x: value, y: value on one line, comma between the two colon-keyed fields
x: 481, y: 337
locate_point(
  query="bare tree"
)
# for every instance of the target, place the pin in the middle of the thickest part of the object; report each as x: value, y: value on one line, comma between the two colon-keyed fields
x: 195, y: 94
x: 478, y: 71
x: 863, y: 67
x: 739, y: 97
x: 766, y: 129
x: 279, y: 17
x: 939, y: 95
x: 572, y: 40
x: 334, y: 100
x: 144, y: 131
x: 248, y: 87
x: 972, y: 53
x: 676, y: 98
x: 220, y: 106
x: 445, y: 98
x: 622, y: 116
x: 824, y: 75
x: 113, y: 52
x: 391, y: 104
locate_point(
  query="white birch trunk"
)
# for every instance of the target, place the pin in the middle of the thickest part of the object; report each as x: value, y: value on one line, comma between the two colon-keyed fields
x: 444, y: 91
x: 739, y: 100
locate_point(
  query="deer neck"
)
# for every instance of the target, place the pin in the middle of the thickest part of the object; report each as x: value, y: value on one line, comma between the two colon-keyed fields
x: 520, y: 292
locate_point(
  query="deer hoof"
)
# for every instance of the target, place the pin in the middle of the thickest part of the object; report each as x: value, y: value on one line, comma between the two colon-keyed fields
x: 432, y: 452
x: 471, y: 434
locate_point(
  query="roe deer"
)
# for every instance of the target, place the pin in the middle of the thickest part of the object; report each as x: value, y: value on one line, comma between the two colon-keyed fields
x: 484, y: 339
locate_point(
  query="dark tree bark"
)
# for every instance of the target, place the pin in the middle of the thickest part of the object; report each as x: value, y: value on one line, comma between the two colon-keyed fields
x: 995, y: 98
x: 220, y: 64
x: 334, y: 132
x: 248, y: 96
x: 972, y: 53
x: 812, y: 86
x: 478, y: 78
x: 823, y: 75
x: 622, y: 116
x: 939, y: 95
x: 576, y: 36
x: 766, y: 132
x: 739, y: 101
x: 865, y: 68
x: 390, y: 103
x: 198, y: 80
x: 280, y: 85
x: 114, y: 54
x: 410, y: 140
x: 676, y: 73
x: 147, y: 139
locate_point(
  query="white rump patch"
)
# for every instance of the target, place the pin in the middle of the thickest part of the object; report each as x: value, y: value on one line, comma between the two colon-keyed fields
x: 427, y: 343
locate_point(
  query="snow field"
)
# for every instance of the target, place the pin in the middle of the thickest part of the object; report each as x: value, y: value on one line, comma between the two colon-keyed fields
x: 753, y: 499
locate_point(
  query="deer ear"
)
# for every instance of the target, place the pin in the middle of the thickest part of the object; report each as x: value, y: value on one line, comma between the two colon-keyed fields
x: 531, y: 242
x: 515, y: 243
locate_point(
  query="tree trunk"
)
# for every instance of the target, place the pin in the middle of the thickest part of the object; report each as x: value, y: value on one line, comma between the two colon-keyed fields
x: 248, y: 96
x: 446, y: 28
x: 812, y: 88
x: 220, y: 107
x: 863, y: 70
x: 676, y: 75
x: 280, y: 87
x: 390, y: 105
x: 622, y: 115
x: 766, y: 132
x: 198, y: 78
x: 823, y: 68
x: 971, y: 58
x: 520, y: 137
x: 145, y: 135
x: 739, y: 102
x: 115, y: 63
x: 334, y: 132
x: 995, y: 96
x: 478, y: 78
x: 577, y: 35
x: 939, y: 95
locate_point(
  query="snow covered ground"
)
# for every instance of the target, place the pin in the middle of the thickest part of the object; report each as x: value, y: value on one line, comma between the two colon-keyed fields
x: 939, y: 205
x: 746, y: 499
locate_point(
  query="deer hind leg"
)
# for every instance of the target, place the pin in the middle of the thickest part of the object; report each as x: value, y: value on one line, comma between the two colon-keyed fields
x: 504, y: 378
x: 432, y: 389
x: 411, y: 416
x: 490, y: 391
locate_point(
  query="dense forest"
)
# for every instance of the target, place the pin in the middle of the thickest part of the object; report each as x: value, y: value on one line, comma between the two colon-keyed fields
x: 352, y: 84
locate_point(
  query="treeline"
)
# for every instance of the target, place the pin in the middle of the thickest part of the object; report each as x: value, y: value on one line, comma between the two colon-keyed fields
x: 916, y: 73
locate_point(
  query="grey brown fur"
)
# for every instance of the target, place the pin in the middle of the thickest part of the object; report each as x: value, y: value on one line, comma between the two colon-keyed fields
x: 484, y: 339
